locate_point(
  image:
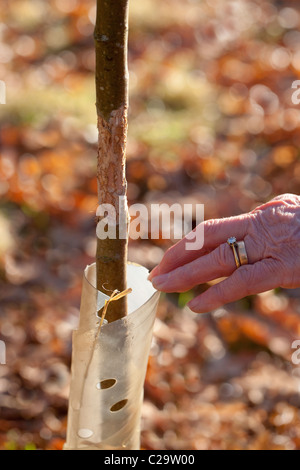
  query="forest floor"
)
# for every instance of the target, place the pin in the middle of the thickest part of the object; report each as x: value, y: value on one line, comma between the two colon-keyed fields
x: 211, y: 122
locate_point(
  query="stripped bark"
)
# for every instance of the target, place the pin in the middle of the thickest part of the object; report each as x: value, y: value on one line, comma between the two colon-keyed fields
x: 111, y: 39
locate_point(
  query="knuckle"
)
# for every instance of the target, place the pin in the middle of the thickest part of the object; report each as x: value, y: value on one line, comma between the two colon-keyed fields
x: 256, y: 248
x: 287, y: 197
x: 258, y: 240
x: 168, y: 258
x: 273, y: 228
x: 246, y: 281
x: 223, y: 256
x: 211, y: 227
x: 220, y: 292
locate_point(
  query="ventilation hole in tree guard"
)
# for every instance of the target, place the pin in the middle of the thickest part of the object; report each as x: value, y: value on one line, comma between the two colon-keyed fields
x: 104, y: 384
x: 85, y: 433
x: 118, y: 406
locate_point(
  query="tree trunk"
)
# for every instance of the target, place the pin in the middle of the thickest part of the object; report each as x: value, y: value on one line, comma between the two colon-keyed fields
x: 111, y: 39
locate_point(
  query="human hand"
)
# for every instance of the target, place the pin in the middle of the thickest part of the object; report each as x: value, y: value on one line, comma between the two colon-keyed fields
x: 271, y: 233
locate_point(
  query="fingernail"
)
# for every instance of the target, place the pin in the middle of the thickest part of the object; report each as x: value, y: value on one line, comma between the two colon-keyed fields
x: 193, y: 304
x: 159, y: 281
x: 153, y: 273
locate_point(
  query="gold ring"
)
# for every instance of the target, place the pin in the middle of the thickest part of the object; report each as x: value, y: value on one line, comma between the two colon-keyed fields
x: 243, y: 257
x: 233, y: 244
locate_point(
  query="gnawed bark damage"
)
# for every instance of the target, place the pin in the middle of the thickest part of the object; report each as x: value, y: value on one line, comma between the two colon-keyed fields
x: 111, y: 255
x: 112, y: 158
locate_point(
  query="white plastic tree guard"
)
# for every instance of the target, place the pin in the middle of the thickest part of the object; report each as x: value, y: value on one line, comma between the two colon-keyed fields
x: 109, y: 367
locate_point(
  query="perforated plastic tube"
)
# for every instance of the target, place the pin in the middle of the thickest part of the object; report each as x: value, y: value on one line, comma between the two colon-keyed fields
x: 107, y: 380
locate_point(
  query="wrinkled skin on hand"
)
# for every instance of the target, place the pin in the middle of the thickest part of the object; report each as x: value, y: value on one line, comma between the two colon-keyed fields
x: 271, y: 234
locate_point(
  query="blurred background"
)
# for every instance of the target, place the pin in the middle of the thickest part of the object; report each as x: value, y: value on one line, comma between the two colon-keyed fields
x: 211, y: 122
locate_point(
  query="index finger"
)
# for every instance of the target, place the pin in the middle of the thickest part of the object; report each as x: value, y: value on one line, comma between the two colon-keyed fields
x: 216, y: 232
